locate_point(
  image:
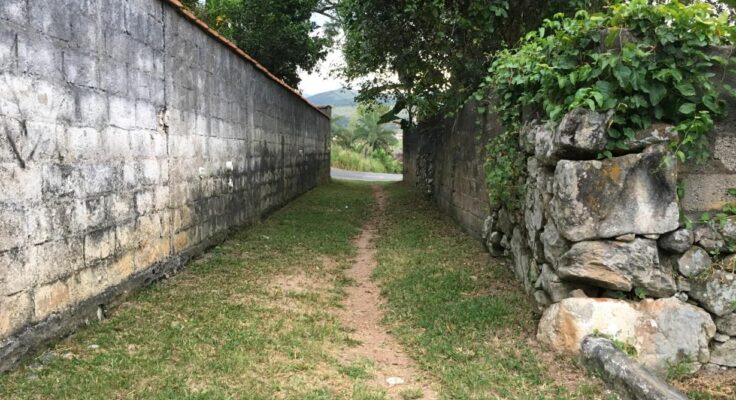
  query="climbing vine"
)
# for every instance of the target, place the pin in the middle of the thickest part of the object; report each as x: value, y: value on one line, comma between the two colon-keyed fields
x: 645, y: 62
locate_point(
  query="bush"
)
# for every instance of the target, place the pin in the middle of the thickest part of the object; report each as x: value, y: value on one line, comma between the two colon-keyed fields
x: 351, y: 160
x: 643, y: 62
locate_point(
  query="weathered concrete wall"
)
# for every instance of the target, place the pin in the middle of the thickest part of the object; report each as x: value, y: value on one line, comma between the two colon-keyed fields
x: 445, y: 159
x: 130, y: 139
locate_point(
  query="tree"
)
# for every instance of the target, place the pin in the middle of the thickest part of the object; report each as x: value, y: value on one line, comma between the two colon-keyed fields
x: 369, y: 130
x: 277, y: 33
x: 430, y: 55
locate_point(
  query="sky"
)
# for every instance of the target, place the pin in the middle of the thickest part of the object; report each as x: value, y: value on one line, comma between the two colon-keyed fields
x: 320, y: 80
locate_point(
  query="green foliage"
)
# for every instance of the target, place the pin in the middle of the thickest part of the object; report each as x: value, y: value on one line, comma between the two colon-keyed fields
x: 643, y: 62
x: 681, y: 369
x: 349, y: 159
x: 277, y: 33
x: 619, y: 344
x: 429, y: 55
x: 640, y: 293
x: 365, y: 144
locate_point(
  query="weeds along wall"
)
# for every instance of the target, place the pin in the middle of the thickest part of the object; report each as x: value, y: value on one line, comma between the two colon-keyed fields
x: 131, y: 138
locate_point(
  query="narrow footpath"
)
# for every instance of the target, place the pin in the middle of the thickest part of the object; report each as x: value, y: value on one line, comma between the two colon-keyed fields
x: 362, y: 314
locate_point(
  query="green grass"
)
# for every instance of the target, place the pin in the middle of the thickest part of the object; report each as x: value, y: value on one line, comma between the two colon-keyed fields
x: 464, y: 319
x: 220, y: 329
x: 256, y: 317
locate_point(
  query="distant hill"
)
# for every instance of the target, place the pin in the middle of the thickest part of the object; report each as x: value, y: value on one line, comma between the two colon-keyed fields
x: 335, y: 98
x: 343, y: 105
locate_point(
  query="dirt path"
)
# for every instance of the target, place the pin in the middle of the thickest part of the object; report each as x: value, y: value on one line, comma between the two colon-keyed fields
x: 362, y: 313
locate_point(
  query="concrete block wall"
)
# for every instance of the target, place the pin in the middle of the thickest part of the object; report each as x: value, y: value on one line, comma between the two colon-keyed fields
x: 445, y: 159
x: 130, y: 139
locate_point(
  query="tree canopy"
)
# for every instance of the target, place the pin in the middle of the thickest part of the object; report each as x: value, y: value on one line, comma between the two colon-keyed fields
x: 431, y: 54
x: 277, y: 33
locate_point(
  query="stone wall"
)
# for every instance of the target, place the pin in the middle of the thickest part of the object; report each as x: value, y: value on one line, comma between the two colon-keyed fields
x: 599, y: 244
x: 131, y: 138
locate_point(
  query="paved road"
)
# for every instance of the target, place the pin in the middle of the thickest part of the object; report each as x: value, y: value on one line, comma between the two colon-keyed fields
x: 343, y: 175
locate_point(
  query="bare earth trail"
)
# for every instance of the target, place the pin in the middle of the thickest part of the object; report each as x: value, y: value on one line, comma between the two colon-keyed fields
x: 362, y: 314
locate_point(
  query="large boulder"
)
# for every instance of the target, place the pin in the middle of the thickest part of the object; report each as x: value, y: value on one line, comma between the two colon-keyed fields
x: 663, y: 332
x: 636, y: 193
x: 618, y: 265
x: 716, y: 292
x: 724, y: 353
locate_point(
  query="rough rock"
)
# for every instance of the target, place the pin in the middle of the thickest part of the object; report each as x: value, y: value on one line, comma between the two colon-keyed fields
x: 693, y: 262
x: 656, y: 134
x: 581, y: 134
x: 554, y: 286
x: 528, y: 134
x: 716, y: 292
x: 678, y: 241
x: 721, y: 338
x: 724, y: 354
x: 728, y: 229
x: 663, y: 331
x: 542, y: 300
x: 727, y: 324
x: 617, y: 265
x: 554, y: 244
x: 635, y: 193
x: 708, y: 238
x: 622, y: 374
x: 626, y: 238
x: 522, y: 259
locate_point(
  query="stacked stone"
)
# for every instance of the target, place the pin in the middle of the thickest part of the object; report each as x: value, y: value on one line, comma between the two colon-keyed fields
x: 599, y: 246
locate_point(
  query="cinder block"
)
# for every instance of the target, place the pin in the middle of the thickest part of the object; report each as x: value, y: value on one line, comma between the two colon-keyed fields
x: 98, y: 245
x: 146, y: 115
x: 88, y: 282
x: 17, y: 312
x: 40, y: 57
x: 81, y: 69
x: 53, y: 18
x: 16, y: 275
x: 122, y: 112
x: 14, y: 11
x: 20, y: 184
x: 92, y: 109
x: 116, y: 144
x: 125, y: 237
x: 121, y: 269
x: 99, y: 178
x: 55, y: 260
x: 114, y: 77
x: 50, y: 299
x: 12, y: 226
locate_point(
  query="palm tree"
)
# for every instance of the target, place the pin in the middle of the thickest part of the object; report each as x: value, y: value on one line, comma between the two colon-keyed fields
x: 373, y: 134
